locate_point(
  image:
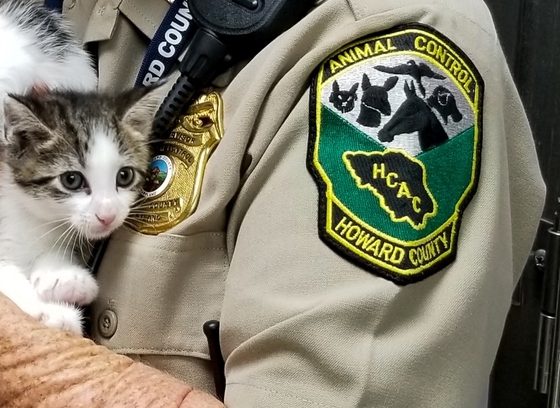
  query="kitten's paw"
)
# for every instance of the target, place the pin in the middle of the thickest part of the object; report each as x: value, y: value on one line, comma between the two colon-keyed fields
x: 60, y: 316
x: 35, y: 309
x: 72, y: 285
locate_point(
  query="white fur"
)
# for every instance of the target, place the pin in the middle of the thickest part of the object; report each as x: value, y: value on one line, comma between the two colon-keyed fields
x: 103, y: 163
x: 38, y: 236
x: 38, y: 266
x: 24, y: 65
x: 36, y: 250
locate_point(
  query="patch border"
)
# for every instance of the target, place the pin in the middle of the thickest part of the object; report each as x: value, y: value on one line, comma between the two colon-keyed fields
x: 323, y: 211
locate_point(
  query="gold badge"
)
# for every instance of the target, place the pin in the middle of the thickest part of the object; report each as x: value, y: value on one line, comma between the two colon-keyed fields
x: 174, y: 181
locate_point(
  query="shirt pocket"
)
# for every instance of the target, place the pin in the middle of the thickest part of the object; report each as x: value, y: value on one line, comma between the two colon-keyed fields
x: 156, y: 293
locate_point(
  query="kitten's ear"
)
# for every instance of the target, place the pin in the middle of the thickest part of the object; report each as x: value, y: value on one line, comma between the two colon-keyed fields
x: 140, y: 105
x: 22, y: 127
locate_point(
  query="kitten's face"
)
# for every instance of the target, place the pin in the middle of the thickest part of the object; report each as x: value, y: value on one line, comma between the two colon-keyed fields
x: 80, y: 158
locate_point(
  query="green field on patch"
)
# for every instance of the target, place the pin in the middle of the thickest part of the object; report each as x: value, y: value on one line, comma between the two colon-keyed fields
x: 449, y: 172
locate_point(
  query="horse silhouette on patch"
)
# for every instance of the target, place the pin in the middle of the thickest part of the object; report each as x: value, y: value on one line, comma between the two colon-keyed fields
x: 414, y: 115
x: 343, y: 100
x: 375, y: 101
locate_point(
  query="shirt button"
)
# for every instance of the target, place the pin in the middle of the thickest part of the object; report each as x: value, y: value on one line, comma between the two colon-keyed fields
x: 107, y: 323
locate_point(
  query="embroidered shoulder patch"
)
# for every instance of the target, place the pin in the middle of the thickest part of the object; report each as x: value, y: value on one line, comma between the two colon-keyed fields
x: 395, y: 142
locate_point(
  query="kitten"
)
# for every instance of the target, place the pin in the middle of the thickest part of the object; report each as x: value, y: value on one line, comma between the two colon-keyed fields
x: 72, y: 166
x: 71, y: 163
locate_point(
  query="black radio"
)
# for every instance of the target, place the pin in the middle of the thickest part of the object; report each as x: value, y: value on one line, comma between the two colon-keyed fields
x: 226, y: 31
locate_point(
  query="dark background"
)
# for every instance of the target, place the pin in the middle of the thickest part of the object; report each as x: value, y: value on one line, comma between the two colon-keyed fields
x: 529, y: 31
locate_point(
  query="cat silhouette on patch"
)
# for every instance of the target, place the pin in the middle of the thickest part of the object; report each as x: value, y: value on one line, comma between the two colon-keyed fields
x: 343, y: 100
x: 375, y: 101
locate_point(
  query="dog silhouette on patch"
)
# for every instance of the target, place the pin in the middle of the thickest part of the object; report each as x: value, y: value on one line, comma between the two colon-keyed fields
x: 443, y: 101
x: 343, y: 100
x: 375, y: 101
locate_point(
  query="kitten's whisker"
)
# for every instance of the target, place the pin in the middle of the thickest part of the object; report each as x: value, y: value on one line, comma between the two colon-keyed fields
x: 67, y: 233
x: 75, y: 243
x: 129, y: 225
x: 86, y: 242
x: 50, y: 222
x: 71, y: 147
x: 70, y: 243
x: 66, y: 247
x: 49, y: 231
x: 72, y: 246
x: 138, y: 218
x: 82, y: 243
x: 149, y: 142
x: 140, y: 212
x: 142, y: 207
x: 59, y: 238
x: 60, y: 223
x: 89, y: 244
x: 139, y: 200
x: 140, y: 203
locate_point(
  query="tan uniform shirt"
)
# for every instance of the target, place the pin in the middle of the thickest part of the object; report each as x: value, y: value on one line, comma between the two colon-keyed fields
x: 302, y: 326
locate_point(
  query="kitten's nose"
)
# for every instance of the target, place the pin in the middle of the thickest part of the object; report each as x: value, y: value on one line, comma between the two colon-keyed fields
x: 106, y: 219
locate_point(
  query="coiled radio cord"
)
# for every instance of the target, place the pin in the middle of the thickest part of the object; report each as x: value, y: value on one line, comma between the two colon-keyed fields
x: 205, y: 55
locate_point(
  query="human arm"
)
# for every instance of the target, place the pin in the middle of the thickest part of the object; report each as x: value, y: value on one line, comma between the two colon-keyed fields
x: 302, y: 325
x: 46, y: 368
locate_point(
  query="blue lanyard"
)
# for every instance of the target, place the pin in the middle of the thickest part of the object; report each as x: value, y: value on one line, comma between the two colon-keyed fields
x: 169, y: 41
x: 55, y: 5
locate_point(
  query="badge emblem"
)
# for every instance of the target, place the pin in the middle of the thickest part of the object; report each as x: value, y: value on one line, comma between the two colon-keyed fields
x: 395, y: 141
x: 160, y: 174
x: 174, y: 180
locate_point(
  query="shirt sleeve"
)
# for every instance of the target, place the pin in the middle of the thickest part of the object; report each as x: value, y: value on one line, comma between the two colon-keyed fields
x: 303, y: 325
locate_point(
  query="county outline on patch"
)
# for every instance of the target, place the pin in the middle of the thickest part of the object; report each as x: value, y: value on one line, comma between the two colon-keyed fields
x: 394, y: 147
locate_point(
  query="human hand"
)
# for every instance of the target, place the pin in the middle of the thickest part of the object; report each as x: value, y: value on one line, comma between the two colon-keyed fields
x: 49, y: 368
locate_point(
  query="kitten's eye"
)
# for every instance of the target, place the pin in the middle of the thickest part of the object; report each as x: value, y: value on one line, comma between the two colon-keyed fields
x: 73, y: 180
x: 125, y: 177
